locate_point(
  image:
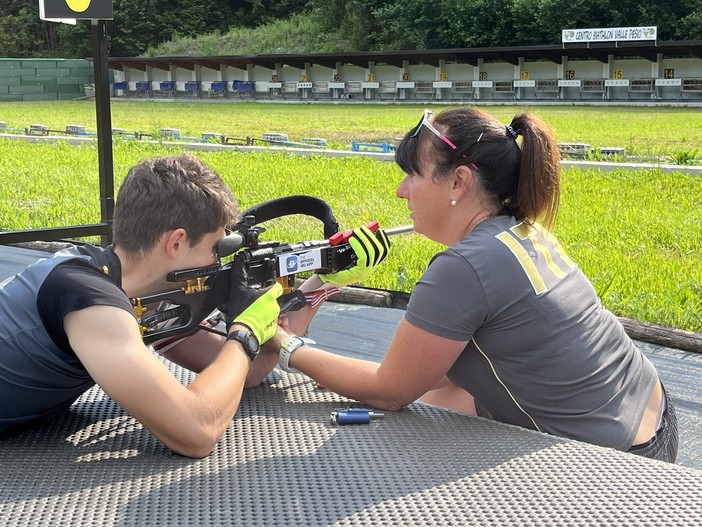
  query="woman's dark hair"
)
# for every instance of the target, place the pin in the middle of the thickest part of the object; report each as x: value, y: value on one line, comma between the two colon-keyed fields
x: 524, y: 179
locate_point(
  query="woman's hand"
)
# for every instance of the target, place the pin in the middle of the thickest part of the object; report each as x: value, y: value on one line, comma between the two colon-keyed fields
x: 370, y: 249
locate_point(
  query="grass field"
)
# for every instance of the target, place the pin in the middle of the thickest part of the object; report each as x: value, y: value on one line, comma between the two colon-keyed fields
x: 635, y: 234
x: 645, y: 132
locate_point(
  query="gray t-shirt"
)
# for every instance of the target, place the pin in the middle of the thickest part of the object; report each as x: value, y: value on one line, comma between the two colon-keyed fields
x: 542, y: 351
x: 40, y: 374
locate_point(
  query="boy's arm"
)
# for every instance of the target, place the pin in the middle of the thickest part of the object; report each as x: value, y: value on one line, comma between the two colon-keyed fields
x: 198, y: 351
x: 189, y: 420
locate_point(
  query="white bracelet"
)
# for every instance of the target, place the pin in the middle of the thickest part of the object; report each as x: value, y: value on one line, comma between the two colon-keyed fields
x: 287, y: 349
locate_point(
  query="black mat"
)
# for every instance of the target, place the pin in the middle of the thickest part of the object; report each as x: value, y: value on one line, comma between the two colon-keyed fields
x: 283, y: 463
x: 366, y: 332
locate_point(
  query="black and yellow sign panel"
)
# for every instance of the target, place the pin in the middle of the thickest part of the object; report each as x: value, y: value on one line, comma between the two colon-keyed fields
x: 77, y: 9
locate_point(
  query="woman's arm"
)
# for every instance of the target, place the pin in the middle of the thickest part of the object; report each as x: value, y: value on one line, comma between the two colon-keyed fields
x: 415, y: 362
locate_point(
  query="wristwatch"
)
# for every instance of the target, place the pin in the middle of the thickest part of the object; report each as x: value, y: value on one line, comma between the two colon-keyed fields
x: 248, y: 341
x: 286, y: 350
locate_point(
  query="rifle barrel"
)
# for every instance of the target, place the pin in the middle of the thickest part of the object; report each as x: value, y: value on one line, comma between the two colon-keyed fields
x: 399, y: 230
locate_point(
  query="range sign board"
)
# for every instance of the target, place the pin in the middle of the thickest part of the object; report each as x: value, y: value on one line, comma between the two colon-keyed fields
x: 72, y: 10
x: 612, y: 34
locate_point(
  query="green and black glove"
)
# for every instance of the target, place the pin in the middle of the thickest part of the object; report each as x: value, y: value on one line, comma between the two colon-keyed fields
x: 256, y: 308
x: 370, y: 248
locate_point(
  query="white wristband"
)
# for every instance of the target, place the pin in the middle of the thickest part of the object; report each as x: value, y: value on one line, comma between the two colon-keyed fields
x: 287, y: 349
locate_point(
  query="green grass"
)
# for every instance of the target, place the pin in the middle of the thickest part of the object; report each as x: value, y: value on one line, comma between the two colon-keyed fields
x: 646, y: 132
x: 636, y: 235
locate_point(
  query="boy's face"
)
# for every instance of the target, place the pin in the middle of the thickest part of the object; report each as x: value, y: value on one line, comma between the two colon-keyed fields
x: 204, y: 252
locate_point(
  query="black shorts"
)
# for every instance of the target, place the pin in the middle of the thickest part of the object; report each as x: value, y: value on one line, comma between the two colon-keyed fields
x: 664, y: 445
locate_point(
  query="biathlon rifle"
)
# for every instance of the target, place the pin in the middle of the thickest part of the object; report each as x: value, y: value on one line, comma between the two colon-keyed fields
x: 200, y: 292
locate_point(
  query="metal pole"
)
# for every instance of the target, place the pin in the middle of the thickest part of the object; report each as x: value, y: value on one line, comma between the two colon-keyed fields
x: 104, y: 139
x: 104, y: 126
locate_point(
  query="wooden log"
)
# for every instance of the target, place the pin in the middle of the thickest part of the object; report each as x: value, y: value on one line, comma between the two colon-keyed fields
x: 372, y: 297
x: 642, y: 331
x: 664, y: 336
x: 49, y: 247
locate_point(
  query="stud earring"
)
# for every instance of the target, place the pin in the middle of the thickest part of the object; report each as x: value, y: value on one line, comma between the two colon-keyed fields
x: 453, y: 202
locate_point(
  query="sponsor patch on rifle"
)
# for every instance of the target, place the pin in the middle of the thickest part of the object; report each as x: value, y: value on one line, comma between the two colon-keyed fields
x: 299, y: 262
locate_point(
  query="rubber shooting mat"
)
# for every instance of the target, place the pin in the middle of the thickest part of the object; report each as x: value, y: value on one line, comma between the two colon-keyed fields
x: 282, y: 462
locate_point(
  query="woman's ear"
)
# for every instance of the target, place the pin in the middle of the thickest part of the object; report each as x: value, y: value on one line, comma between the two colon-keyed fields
x: 462, y: 182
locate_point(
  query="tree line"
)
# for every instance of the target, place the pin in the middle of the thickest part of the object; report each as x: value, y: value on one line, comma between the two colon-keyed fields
x: 356, y: 25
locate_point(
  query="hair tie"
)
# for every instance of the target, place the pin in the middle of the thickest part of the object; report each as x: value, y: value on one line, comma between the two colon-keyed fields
x: 511, y: 131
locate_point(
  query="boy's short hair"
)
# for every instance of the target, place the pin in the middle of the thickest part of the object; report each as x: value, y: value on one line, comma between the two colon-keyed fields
x: 167, y: 193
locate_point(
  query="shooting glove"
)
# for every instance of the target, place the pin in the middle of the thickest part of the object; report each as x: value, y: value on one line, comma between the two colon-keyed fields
x: 370, y: 248
x: 256, y: 308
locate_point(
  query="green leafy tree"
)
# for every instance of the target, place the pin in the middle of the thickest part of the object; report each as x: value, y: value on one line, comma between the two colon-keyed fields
x: 356, y: 21
x: 354, y: 24
x: 24, y: 34
x: 73, y: 41
x: 21, y: 31
x: 413, y: 24
x: 254, y: 13
x: 189, y: 17
x: 478, y: 23
x: 464, y: 23
x: 689, y: 27
x: 134, y: 27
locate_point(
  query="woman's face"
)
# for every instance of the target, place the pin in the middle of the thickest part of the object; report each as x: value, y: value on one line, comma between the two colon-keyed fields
x: 428, y: 200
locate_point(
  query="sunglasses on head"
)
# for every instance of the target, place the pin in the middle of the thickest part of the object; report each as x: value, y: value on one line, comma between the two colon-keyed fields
x: 425, y: 122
